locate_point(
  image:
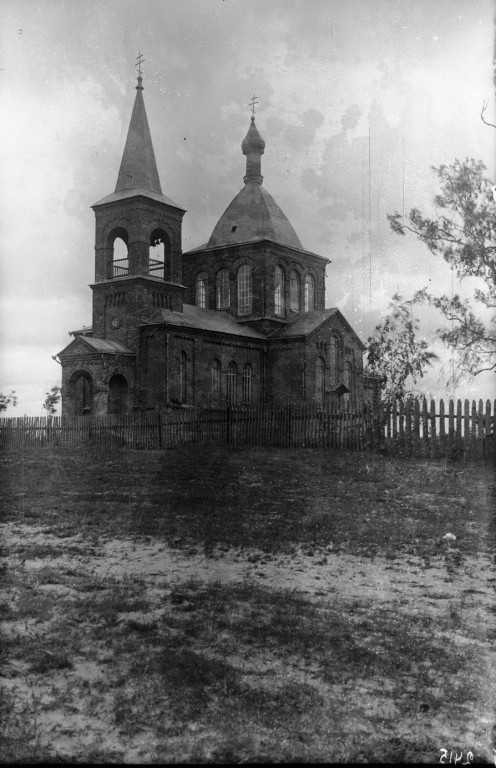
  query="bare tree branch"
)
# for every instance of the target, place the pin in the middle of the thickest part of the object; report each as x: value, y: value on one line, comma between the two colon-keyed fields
x: 484, y: 108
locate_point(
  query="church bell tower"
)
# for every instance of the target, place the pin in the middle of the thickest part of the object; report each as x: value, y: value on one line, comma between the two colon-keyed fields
x: 138, y: 241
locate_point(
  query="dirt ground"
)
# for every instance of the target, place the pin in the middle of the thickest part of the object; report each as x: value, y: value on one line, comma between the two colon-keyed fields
x: 349, y: 642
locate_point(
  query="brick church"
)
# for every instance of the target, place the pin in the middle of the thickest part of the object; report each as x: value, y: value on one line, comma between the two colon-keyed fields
x: 238, y: 320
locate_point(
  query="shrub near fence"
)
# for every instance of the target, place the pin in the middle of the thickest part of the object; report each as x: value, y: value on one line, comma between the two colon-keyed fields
x: 415, y: 428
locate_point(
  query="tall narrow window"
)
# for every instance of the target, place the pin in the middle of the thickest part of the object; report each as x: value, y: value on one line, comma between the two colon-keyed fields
x: 309, y: 293
x: 319, y: 380
x: 81, y: 385
x: 183, y: 376
x: 244, y: 290
x: 118, y: 393
x: 231, y: 376
x: 348, y: 379
x: 215, y: 373
x: 201, y: 290
x: 247, y: 396
x: 333, y: 359
x: 294, y: 291
x: 279, y: 292
x: 223, y: 289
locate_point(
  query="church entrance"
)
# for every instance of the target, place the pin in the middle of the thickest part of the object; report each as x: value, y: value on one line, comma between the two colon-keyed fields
x: 118, y: 394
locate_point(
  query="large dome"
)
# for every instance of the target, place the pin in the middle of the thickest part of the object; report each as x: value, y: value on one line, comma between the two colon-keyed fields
x: 253, y: 214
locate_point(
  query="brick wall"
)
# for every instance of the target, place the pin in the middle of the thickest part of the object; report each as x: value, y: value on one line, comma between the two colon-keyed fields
x: 263, y: 258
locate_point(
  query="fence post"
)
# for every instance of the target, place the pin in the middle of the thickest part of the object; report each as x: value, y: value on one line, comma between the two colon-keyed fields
x: 459, y: 439
x: 159, y: 426
x: 434, y: 451
x: 451, y: 427
x: 380, y: 426
x: 442, y: 429
x: 468, y: 433
x: 480, y: 430
x: 488, y: 442
x: 401, y: 425
x: 471, y: 443
x: 425, y: 429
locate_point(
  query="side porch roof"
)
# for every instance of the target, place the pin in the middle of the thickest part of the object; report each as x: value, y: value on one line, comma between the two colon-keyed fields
x: 306, y: 322
x: 88, y: 344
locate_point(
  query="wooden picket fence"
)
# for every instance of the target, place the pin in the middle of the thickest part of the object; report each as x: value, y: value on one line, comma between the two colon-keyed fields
x: 416, y: 428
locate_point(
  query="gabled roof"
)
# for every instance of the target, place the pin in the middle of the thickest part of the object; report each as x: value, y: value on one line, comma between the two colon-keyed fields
x: 203, y: 319
x: 90, y: 344
x: 306, y: 322
x: 340, y: 389
x: 138, y: 174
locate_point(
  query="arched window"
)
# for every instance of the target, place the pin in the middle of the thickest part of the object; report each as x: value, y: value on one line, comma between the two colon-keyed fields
x: 279, y: 292
x: 118, y: 392
x: 319, y: 380
x: 159, y: 255
x: 231, y: 376
x: 244, y: 290
x: 183, y: 376
x: 81, y: 389
x: 294, y: 291
x: 247, y: 389
x: 215, y: 374
x: 201, y: 290
x: 120, y: 260
x: 334, y: 359
x: 223, y: 289
x: 348, y: 379
x: 309, y: 293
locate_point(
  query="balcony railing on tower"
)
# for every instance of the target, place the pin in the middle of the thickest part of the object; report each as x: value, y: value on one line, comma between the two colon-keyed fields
x: 156, y: 268
x: 120, y: 268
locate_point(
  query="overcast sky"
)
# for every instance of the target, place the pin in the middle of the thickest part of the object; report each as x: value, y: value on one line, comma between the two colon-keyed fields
x: 412, y: 74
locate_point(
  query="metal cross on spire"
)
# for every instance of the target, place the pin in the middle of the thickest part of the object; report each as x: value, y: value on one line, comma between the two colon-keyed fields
x: 139, y: 62
x: 253, y: 101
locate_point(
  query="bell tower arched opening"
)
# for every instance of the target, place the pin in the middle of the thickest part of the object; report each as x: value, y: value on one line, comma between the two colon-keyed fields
x: 159, y: 255
x: 118, y: 244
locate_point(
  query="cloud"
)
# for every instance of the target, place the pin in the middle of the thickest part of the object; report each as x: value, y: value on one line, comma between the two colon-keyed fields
x: 351, y: 117
x: 299, y: 137
x: 323, y: 72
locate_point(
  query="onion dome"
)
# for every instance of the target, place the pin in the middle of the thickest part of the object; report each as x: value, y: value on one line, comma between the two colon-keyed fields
x: 253, y: 147
x: 253, y: 215
x: 252, y: 142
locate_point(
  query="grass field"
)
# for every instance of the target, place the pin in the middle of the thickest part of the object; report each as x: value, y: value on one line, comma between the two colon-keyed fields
x: 246, y: 605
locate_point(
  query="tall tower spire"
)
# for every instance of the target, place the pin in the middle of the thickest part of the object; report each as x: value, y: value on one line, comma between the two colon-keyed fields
x: 138, y: 170
x: 253, y: 147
